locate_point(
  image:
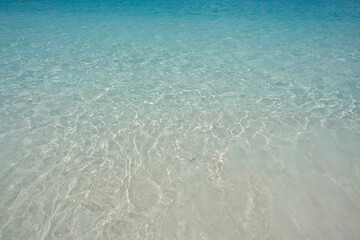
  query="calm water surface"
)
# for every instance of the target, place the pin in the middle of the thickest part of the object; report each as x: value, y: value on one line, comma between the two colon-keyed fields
x: 180, y: 119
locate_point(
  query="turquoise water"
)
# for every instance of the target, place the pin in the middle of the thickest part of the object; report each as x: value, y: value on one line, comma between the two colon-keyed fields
x: 179, y: 119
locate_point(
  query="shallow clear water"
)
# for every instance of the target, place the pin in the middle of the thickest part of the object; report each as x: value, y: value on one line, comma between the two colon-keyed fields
x: 179, y: 120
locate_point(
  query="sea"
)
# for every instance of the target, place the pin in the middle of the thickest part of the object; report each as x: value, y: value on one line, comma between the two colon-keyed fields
x: 180, y: 119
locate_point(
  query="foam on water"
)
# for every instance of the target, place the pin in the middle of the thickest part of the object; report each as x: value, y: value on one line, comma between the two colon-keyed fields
x: 179, y: 120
